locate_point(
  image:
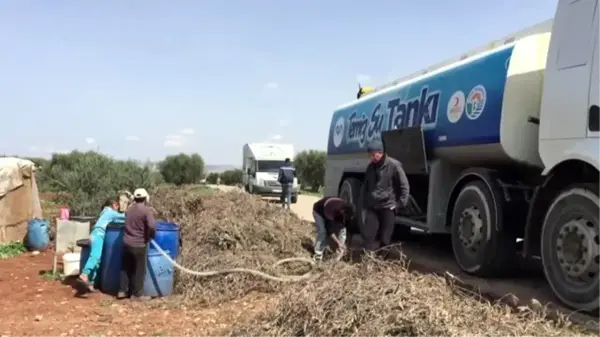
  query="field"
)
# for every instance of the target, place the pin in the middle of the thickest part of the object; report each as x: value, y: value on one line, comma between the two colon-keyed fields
x: 368, y: 296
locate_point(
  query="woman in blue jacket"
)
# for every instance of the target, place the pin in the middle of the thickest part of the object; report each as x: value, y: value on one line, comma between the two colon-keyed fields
x: 109, y: 214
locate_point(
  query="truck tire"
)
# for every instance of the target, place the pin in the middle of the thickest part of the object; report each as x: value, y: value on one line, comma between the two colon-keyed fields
x: 350, y: 191
x: 569, y: 246
x: 294, y: 199
x: 480, y: 246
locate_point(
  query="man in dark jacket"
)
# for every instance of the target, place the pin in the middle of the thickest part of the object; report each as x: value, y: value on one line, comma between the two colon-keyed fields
x: 332, y: 216
x: 286, y: 179
x: 385, y: 188
x: 138, y: 231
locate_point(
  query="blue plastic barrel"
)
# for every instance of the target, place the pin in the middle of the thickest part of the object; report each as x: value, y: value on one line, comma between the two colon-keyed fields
x: 167, y: 238
x: 110, y: 264
x: 159, y: 275
x: 38, y: 237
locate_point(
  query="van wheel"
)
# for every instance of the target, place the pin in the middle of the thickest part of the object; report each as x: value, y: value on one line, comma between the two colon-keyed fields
x: 294, y: 199
x: 480, y: 247
x: 570, y: 248
x: 350, y: 191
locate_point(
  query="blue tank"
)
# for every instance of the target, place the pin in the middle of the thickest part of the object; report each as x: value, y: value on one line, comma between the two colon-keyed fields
x: 167, y: 237
x: 37, y: 237
x: 456, y: 107
x: 159, y: 275
x: 110, y: 264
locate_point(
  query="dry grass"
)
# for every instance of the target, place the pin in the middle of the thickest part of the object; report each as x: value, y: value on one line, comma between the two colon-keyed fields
x: 229, y: 230
x: 371, y: 297
x: 377, y: 298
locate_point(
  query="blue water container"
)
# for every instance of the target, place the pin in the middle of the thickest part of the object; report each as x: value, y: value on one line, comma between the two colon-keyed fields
x: 159, y: 275
x: 167, y: 238
x: 38, y: 237
x: 110, y: 264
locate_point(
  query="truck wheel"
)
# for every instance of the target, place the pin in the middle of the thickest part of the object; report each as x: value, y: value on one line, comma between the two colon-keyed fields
x: 350, y: 191
x: 294, y: 199
x: 569, y: 246
x: 480, y: 248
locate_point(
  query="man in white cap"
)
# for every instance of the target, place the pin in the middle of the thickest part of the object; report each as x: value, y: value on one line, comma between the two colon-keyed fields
x: 138, y: 231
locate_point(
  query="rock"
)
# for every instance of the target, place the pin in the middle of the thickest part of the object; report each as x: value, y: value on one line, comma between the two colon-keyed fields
x: 535, y: 305
x: 38, y: 318
x: 35, y: 252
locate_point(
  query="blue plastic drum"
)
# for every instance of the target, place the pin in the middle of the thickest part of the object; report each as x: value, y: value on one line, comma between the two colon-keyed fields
x: 167, y: 237
x: 110, y: 264
x: 159, y: 275
x: 37, y: 237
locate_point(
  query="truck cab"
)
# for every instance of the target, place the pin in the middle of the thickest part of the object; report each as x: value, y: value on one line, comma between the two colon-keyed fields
x: 500, y: 146
x: 261, y: 163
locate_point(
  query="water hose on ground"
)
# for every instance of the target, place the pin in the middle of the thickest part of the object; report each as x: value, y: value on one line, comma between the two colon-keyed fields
x: 280, y: 278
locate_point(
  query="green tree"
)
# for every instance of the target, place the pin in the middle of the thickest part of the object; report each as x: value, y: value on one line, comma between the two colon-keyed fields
x: 39, y: 162
x: 232, y: 177
x: 86, y: 179
x: 310, y: 167
x: 182, y: 169
x: 212, y: 177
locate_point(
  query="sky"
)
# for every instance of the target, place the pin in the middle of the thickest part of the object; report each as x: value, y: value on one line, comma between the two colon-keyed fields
x: 147, y: 78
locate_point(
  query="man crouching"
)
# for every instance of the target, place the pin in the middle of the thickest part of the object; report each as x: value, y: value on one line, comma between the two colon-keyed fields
x: 332, y: 216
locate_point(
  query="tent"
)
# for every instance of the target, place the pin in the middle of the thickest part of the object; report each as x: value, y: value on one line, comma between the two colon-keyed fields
x: 19, y: 198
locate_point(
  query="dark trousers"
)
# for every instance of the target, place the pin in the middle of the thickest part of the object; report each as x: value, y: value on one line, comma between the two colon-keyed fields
x: 133, y: 270
x: 378, y: 228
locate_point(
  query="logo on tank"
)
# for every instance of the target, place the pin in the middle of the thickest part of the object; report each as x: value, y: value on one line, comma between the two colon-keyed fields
x: 394, y: 113
x: 476, y: 102
x: 338, y: 132
x: 456, y: 106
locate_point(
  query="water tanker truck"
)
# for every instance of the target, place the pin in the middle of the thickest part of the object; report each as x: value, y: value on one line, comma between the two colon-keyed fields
x: 501, y: 149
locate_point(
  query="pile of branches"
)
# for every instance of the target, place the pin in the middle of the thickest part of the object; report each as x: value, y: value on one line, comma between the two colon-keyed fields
x: 383, y: 298
x: 231, y: 230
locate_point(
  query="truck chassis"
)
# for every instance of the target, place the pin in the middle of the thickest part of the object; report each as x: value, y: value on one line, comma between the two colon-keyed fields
x: 487, y: 209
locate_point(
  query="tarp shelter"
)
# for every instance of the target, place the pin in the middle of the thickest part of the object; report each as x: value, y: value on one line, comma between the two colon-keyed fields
x: 19, y: 198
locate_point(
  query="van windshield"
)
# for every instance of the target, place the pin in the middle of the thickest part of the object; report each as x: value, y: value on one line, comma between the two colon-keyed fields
x: 269, y: 165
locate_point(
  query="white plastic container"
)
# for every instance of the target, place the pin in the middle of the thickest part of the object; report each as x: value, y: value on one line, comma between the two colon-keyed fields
x: 71, y: 264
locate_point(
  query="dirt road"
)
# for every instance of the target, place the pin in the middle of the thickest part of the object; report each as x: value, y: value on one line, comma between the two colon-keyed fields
x: 303, y: 208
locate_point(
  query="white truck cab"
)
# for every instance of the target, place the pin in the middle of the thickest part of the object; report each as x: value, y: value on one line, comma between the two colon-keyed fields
x: 499, y: 145
x: 261, y: 163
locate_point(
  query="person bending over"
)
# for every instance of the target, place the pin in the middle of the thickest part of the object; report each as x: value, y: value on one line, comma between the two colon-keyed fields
x: 139, y: 230
x: 332, y: 216
x: 109, y: 214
